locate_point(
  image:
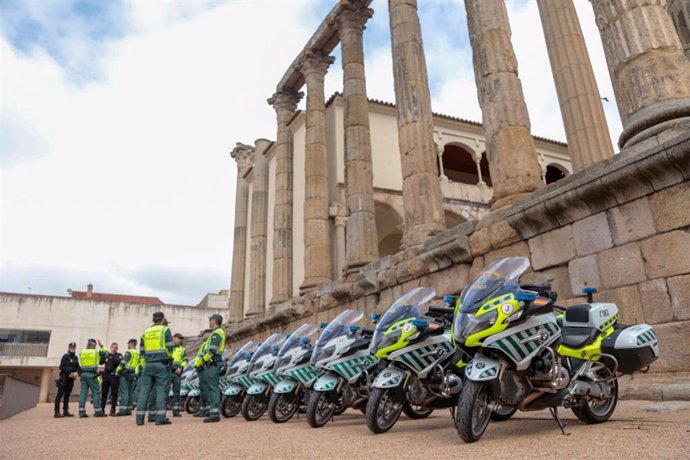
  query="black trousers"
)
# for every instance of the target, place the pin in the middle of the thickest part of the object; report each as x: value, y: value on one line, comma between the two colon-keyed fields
x: 110, y: 383
x: 65, y: 385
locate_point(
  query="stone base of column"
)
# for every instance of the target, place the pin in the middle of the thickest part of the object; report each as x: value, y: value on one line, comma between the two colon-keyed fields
x: 654, y: 119
x: 310, y: 285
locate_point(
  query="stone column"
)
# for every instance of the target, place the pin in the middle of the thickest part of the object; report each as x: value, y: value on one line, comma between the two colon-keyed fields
x: 45, y: 385
x: 317, y: 226
x: 244, y: 156
x: 510, y: 147
x: 650, y: 73
x: 259, y: 230
x: 583, y: 115
x: 340, y: 223
x: 284, y: 102
x: 680, y: 13
x: 362, y: 239
x: 422, y: 199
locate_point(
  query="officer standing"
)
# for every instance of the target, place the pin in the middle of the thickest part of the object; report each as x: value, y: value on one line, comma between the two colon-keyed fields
x: 111, y: 380
x: 128, y: 370
x: 69, y: 370
x: 90, y: 357
x: 155, y: 350
x: 203, y: 393
x: 179, y: 357
x: 209, y: 361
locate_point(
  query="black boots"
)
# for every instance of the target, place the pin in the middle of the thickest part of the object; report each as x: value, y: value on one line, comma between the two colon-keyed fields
x: 57, y: 414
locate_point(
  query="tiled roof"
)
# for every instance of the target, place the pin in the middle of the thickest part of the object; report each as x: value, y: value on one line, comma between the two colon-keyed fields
x: 103, y: 297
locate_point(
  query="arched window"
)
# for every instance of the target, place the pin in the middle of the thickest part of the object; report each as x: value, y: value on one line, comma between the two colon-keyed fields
x: 388, y: 227
x: 554, y: 173
x: 459, y: 165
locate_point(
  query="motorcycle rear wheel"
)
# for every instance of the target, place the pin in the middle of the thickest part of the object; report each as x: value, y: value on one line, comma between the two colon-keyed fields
x: 191, y: 405
x: 230, y: 406
x: 282, y: 406
x: 592, y: 412
x: 472, y: 415
x: 253, y: 407
x: 383, y: 409
x: 319, y: 409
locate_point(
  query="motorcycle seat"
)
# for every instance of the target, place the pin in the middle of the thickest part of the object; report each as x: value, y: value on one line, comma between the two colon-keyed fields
x: 577, y: 313
x: 577, y: 337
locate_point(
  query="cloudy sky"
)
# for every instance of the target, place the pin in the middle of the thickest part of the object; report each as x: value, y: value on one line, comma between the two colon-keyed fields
x: 117, y: 117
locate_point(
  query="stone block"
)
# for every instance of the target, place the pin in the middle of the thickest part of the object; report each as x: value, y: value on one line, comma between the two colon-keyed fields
x: 450, y: 281
x: 558, y: 276
x: 518, y: 249
x: 476, y: 268
x: 552, y: 248
x: 592, y: 234
x: 679, y: 288
x: 656, y: 303
x: 583, y: 272
x: 621, y: 266
x: 671, y: 207
x: 667, y: 254
x: 674, y: 338
x: 502, y: 234
x: 628, y: 301
x: 631, y: 221
x: 676, y: 392
x: 480, y: 242
x: 639, y: 391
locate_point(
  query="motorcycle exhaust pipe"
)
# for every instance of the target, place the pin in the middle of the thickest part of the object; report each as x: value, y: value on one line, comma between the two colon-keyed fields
x: 525, y: 402
x: 593, y: 389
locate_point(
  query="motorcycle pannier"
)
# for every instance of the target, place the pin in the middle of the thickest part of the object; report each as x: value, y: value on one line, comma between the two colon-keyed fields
x: 635, y: 347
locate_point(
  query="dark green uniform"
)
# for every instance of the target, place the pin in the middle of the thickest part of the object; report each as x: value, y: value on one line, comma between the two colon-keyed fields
x: 210, y: 361
x: 179, y: 361
x: 128, y: 369
x: 90, y: 357
x: 155, y: 350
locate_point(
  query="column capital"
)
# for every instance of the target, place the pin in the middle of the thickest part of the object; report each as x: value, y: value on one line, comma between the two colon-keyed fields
x: 353, y: 14
x: 243, y: 154
x: 285, y: 99
x: 315, y: 62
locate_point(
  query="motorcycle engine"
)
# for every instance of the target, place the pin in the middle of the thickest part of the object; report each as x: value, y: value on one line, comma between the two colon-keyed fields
x: 514, y: 388
x: 417, y: 393
x: 349, y: 395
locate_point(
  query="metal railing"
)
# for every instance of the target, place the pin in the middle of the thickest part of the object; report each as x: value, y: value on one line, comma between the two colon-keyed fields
x: 23, y: 349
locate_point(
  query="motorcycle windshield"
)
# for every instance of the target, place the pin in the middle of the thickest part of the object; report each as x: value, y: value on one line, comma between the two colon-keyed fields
x: 501, y: 273
x: 276, y: 340
x: 409, y: 306
x: 339, y: 326
x: 249, y: 347
x: 295, y: 339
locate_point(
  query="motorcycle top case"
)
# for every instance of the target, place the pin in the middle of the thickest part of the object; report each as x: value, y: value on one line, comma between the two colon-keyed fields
x: 635, y: 347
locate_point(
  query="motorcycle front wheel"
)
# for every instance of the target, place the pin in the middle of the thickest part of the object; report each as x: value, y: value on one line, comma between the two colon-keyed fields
x: 230, y: 406
x: 320, y: 409
x: 383, y: 409
x: 282, y: 406
x: 472, y: 415
x: 253, y: 407
x: 191, y: 405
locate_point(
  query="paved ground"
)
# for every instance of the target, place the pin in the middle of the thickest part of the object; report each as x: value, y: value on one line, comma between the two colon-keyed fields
x: 638, y: 429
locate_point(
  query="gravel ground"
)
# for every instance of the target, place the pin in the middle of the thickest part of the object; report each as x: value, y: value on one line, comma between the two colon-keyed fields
x: 637, y: 429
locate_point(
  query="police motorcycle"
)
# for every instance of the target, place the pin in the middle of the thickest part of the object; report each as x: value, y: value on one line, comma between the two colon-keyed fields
x: 184, y: 387
x: 346, y: 368
x: 233, y: 395
x: 191, y: 384
x: 424, y: 366
x: 530, y: 359
x: 263, y: 377
x: 293, y: 365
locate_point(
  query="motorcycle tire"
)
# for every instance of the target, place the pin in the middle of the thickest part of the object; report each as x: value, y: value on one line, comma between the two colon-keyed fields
x: 591, y: 415
x: 503, y: 413
x: 383, y: 409
x: 191, y: 405
x: 471, y: 419
x: 415, y: 413
x: 253, y: 407
x: 339, y: 409
x: 319, y: 409
x: 282, y: 407
x: 230, y: 406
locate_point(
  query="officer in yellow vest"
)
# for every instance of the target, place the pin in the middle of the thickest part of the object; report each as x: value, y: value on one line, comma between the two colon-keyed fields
x: 155, y: 351
x: 179, y: 357
x: 203, y: 396
x: 90, y: 357
x: 208, y: 363
x: 128, y: 369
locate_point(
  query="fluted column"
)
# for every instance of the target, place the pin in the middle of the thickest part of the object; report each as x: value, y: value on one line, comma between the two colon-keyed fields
x: 259, y: 230
x: 510, y: 147
x: 244, y: 156
x: 317, y: 226
x: 285, y: 104
x: 650, y: 73
x: 583, y: 115
x: 422, y: 198
x: 361, y: 235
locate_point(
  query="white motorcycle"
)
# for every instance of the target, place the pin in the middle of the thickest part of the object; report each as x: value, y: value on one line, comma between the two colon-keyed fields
x: 263, y: 377
x: 231, y: 403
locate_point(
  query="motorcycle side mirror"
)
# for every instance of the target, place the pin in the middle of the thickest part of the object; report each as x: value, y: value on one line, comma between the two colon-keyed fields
x: 275, y: 349
x: 247, y: 356
x: 449, y: 299
x: 375, y: 317
x: 323, y: 324
x: 305, y: 341
x: 419, y: 324
x: 353, y: 329
x: 525, y: 296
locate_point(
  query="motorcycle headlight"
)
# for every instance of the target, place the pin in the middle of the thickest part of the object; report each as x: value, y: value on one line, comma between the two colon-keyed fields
x: 470, y: 324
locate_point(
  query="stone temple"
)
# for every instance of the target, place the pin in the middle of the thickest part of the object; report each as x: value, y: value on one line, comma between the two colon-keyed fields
x: 357, y: 201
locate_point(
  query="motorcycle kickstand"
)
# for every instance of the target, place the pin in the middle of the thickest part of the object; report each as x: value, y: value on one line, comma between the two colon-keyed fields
x: 561, y: 424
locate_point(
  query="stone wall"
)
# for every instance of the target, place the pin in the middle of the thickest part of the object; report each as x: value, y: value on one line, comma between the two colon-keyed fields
x: 621, y: 225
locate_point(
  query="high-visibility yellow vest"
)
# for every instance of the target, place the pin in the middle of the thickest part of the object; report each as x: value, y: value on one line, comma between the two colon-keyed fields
x: 178, y: 354
x: 90, y: 357
x: 219, y: 332
x: 154, y: 338
x: 133, y: 362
